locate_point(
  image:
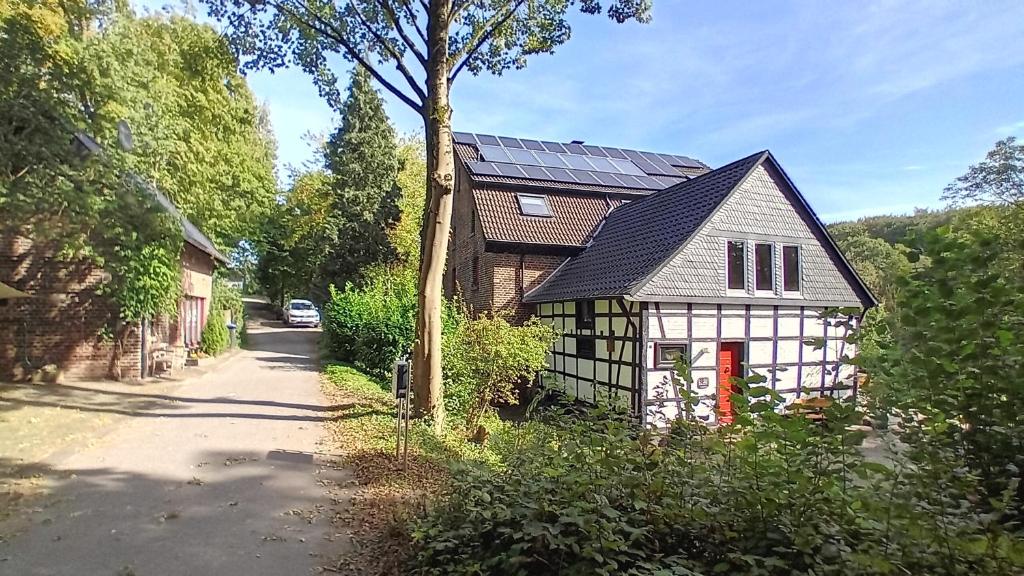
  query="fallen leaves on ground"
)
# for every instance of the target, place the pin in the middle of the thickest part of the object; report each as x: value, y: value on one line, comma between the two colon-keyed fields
x: 383, y: 494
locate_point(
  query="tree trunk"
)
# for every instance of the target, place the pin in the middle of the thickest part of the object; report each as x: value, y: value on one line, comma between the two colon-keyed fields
x: 427, y: 384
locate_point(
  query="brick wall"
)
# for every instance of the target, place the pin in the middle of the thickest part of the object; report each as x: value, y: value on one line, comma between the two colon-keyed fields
x: 503, y: 277
x: 67, y: 322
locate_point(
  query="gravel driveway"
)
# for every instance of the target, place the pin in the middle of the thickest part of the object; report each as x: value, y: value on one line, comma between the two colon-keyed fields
x: 219, y: 476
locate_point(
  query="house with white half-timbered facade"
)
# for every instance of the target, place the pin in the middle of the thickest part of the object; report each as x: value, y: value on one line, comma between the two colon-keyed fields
x: 729, y: 269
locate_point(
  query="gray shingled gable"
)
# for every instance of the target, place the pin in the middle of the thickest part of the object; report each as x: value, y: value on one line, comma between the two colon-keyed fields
x: 636, y: 238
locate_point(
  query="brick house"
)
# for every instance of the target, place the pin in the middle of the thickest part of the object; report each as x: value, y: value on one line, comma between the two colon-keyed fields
x: 68, y: 324
x: 640, y: 258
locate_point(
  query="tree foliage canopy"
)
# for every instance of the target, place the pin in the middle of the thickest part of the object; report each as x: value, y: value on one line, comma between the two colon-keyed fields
x: 999, y: 179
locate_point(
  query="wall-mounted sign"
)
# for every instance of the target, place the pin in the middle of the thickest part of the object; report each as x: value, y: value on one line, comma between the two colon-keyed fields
x: 703, y: 383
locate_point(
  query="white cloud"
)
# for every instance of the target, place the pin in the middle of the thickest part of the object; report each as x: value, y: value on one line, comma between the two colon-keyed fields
x: 1010, y: 129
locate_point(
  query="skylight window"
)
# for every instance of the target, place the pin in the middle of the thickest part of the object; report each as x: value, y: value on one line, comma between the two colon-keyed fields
x: 532, y: 205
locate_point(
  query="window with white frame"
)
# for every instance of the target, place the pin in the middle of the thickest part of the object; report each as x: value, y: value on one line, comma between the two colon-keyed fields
x: 736, y: 265
x: 791, y: 269
x: 764, y: 267
x: 533, y: 205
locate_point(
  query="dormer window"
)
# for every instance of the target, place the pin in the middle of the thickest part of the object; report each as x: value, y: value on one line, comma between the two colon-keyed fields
x: 534, y: 205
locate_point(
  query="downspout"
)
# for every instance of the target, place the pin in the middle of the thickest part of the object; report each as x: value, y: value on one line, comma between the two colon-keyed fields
x: 144, y: 360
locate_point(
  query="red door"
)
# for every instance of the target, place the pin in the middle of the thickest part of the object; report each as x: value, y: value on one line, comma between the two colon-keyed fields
x: 729, y: 357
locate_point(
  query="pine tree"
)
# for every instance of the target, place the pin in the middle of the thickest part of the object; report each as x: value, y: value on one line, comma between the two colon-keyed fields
x: 362, y: 158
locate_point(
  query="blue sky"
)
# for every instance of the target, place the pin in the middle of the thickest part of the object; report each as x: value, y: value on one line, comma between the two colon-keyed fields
x: 872, y: 107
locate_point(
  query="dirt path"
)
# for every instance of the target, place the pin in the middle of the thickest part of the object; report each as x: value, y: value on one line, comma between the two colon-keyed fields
x: 220, y: 475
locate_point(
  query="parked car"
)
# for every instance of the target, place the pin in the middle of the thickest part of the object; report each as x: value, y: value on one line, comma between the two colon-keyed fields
x: 301, y: 313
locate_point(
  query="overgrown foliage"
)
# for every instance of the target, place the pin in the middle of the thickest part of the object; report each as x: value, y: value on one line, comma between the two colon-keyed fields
x: 70, y: 72
x: 337, y: 218
x: 216, y: 338
x: 372, y: 324
x: 486, y: 358
x: 771, y: 494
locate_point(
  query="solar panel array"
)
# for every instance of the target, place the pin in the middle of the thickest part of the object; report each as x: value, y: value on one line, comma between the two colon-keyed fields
x: 574, y: 163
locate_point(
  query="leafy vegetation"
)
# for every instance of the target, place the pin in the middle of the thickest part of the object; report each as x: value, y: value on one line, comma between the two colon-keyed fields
x: 771, y: 494
x: 429, y: 44
x: 215, y: 338
x: 486, y: 358
x: 335, y: 221
x: 72, y: 71
x: 372, y: 324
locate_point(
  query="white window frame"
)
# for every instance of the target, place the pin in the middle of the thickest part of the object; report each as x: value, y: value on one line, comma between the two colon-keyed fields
x: 799, y: 271
x: 543, y: 199
x: 736, y: 291
x: 775, y: 279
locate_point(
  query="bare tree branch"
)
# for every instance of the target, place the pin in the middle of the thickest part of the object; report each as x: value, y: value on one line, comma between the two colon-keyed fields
x: 393, y: 52
x: 397, y: 23
x: 329, y: 30
x: 484, y: 34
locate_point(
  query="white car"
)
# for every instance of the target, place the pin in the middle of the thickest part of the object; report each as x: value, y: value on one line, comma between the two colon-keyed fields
x: 301, y: 313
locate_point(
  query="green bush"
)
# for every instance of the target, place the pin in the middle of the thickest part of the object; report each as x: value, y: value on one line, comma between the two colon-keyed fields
x: 769, y: 495
x: 371, y: 325
x: 485, y: 358
x: 215, y: 338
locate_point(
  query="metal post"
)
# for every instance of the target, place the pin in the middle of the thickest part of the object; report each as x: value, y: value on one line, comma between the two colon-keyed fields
x: 405, y: 453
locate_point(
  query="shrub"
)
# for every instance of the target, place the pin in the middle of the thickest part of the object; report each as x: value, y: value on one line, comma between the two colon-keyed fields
x: 373, y: 324
x: 215, y: 335
x: 485, y: 358
x: 769, y: 495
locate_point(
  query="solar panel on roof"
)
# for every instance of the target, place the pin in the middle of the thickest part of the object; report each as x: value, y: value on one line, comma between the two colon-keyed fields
x: 595, y: 150
x: 520, y: 156
x: 651, y: 182
x: 584, y: 177
x: 670, y: 159
x: 631, y: 181
x: 603, y: 164
x: 509, y: 142
x: 536, y: 172
x: 626, y: 167
x: 532, y: 145
x: 487, y: 140
x: 464, y: 138
x: 495, y: 154
x: 577, y: 162
x: 560, y: 175
x: 607, y: 178
x: 551, y: 159
x: 615, y: 153
x: 667, y: 181
x: 510, y: 170
x: 574, y: 149
x: 553, y: 147
x: 688, y: 162
x: 484, y: 168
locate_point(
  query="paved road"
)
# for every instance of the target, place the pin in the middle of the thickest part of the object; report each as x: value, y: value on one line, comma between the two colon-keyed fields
x: 220, y: 476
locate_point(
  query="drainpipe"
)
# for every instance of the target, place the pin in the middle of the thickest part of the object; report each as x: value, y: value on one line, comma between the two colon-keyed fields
x: 144, y: 363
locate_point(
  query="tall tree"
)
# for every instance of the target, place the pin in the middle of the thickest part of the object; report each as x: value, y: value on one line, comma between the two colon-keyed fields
x: 361, y: 157
x: 998, y: 179
x: 199, y: 134
x: 428, y: 43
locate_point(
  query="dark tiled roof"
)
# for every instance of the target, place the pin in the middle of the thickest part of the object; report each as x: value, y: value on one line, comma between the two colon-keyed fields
x: 637, y: 237
x: 573, y: 221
